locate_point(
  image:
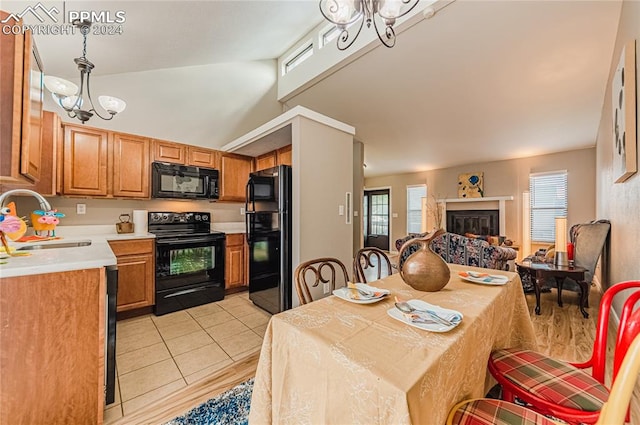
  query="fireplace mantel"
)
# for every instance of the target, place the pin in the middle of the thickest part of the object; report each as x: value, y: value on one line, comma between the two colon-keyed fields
x: 501, y: 204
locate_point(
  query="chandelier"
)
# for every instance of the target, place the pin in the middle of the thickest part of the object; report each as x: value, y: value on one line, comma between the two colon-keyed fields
x: 71, y: 98
x: 345, y: 13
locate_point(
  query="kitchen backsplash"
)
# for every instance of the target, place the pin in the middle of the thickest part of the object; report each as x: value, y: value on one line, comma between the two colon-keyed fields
x: 107, y: 211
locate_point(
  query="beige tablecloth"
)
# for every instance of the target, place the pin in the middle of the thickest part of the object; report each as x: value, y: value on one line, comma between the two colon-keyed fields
x: 335, y: 362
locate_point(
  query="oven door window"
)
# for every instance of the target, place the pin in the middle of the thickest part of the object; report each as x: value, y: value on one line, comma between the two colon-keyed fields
x: 191, y: 260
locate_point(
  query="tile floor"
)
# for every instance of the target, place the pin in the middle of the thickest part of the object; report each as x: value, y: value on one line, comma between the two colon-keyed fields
x: 155, y: 356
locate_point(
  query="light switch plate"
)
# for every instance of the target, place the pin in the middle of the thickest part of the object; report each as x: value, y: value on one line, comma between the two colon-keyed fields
x: 340, y: 209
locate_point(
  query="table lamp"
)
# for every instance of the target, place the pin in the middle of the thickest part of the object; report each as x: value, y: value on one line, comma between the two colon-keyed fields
x: 561, y: 258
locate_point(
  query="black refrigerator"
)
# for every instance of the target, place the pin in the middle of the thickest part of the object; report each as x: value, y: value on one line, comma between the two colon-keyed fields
x: 268, y: 220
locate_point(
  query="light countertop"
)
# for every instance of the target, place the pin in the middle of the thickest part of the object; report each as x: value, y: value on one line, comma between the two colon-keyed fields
x: 229, y: 227
x: 42, y: 261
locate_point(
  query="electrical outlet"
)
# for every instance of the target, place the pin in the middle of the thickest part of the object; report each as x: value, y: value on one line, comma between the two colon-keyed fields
x: 355, y: 213
x: 81, y: 208
x: 241, y: 210
x: 325, y: 287
x: 394, y: 215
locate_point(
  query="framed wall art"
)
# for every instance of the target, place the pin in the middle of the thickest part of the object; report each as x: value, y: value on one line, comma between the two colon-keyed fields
x: 471, y: 185
x: 623, y: 97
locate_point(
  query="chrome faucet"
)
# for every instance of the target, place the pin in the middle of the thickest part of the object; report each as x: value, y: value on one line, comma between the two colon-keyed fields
x: 44, y: 204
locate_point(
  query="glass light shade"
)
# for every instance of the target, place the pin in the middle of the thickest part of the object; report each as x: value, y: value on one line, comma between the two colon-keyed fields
x: 66, y: 101
x: 341, y: 12
x: 390, y: 9
x: 112, y: 104
x: 60, y: 86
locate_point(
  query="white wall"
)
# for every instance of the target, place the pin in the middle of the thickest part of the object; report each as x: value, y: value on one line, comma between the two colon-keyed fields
x: 206, y: 105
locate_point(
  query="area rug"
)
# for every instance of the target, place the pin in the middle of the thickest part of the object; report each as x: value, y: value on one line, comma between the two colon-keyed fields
x: 228, y: 408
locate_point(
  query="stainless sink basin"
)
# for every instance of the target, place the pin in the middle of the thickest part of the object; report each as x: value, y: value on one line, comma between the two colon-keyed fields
x: 54, y: 245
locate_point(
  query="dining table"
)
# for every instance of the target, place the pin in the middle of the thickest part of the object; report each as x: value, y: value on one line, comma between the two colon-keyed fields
x: 334, y: 361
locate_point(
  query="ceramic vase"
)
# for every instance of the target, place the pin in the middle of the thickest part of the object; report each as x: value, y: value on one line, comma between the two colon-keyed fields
x: 424, y: 270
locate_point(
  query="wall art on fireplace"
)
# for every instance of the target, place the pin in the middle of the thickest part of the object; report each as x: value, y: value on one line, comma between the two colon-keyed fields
x: 623, y: 97
x: 471, y: 185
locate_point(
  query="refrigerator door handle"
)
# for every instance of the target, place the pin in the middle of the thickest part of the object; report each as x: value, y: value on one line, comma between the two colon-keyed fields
x: 249, y: 195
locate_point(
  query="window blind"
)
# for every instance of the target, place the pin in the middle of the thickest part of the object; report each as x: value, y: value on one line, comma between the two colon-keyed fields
x: 548, y: 201
x: 414, y: 207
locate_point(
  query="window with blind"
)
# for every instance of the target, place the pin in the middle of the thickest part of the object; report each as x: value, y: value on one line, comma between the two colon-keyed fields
x: 548, y: 193
x: 414, y: 207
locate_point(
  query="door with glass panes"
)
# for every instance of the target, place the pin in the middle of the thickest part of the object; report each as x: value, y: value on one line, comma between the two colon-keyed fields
x: 376, y: 218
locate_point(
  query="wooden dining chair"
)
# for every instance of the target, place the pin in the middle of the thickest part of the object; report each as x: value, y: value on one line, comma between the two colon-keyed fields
x: 485, y: 411
x: 318, y: 273
x: 371, y: 264
x: 565, y: 390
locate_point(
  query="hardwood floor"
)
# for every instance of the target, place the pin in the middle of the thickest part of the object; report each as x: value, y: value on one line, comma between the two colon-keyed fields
x: 561, y: 332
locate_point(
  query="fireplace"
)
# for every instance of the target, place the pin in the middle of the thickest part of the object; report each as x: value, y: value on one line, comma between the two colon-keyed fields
x: 478, y: 222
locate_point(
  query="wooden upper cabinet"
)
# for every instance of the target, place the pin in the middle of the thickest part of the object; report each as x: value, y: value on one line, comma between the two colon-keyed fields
x: 85, y: 161
x: 203, y: 157
x: 131, y: 165
x: 21, y: 101
x: 164, y: 151
x: 284, y: 155
x: 267, y: 160
x: 32, y: 101
x: 235, y: 170
x: 52, y: 136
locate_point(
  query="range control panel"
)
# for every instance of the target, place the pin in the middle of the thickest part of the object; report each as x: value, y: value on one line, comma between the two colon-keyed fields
x: 179, y: 218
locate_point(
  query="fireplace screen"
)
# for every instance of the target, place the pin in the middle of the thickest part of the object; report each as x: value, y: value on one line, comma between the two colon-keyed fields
x: 478, y: 222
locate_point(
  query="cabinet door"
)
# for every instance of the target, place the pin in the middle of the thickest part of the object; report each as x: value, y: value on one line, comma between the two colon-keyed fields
x: 235, y: 262
x: 131, y: 166
x: 32, y: 101
x: 284, y: 155
x: 136, y: 273
x: 169, y: 152
x: 268, y: 160
x: 202, y: 157
x: 235, y: 174
x: 51, y: 137
x: 85, y: 161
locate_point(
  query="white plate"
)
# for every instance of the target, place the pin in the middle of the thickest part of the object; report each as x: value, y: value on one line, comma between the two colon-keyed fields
x: 432, y: 327
x: 489, y: 279
x: 346, y: 294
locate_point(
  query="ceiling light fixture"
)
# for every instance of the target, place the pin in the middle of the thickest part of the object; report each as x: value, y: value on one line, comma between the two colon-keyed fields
x: 344, y: 13
x: 70, y: 98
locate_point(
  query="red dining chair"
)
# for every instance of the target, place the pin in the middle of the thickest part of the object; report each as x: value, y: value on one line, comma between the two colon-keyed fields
x: 486, y: 411
x: 561, y: 389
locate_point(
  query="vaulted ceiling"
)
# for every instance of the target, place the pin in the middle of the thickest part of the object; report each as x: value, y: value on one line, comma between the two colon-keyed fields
x: 480, y: 81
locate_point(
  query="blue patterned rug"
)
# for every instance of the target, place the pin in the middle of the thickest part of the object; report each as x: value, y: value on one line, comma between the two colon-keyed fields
x: 229, y: 408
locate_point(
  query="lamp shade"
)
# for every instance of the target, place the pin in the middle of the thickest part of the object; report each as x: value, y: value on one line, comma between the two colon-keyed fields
x: 60, y: 86
x: 341, y: 12
x: 390, y: 9
x: 561, y: 234
x: 111, y: 104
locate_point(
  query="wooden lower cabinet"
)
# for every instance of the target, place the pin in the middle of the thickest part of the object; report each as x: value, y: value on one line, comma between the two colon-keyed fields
x: 236, y: 258
x: 52, y: 339
x: 136, y: 273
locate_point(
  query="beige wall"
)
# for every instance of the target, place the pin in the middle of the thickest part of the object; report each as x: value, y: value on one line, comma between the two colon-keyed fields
x: 619, y: 202
x: 501, y: 178
x: 107, y: 211
x: 322, y: 174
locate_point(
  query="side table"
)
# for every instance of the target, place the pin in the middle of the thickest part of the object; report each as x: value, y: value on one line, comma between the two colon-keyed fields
x: 539, y: 271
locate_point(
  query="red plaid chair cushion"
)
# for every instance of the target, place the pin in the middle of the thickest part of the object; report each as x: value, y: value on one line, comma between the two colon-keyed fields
x: 550, y: 379
x: 488, y: 411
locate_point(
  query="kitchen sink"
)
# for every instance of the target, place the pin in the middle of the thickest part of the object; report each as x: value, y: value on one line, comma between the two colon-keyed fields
x: 54, y: 245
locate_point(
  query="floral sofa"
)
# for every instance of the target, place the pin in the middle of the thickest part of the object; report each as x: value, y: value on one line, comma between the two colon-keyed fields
x: 458, y: 249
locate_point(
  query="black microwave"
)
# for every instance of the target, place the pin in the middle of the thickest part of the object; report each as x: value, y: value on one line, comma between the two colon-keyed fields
x: 183, y: 182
